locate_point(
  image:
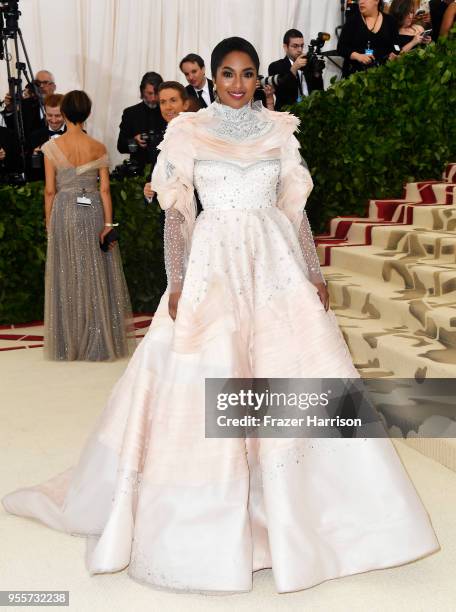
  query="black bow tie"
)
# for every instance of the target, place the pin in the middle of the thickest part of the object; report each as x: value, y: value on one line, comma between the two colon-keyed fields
x: 52, y: 133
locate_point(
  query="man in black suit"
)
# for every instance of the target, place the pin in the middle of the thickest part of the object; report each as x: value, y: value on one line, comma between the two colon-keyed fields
x: 199, y: 86
x: 296, y: 81
x: 140, y: 119
x: 32, y: 114
x: 55, y: 127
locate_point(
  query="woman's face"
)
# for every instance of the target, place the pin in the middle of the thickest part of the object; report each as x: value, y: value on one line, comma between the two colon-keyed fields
x: 408, y: 19
x: 236, y: 79
x: 368, y: 7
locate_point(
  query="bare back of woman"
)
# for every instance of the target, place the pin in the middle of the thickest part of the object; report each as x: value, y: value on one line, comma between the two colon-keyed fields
x: 79, y: 148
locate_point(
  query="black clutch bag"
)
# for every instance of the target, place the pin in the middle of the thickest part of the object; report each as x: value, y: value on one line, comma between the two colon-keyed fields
x: 111, y: 236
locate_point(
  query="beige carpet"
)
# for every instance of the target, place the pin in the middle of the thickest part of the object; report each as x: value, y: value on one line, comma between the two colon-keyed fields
x: 46, y: 411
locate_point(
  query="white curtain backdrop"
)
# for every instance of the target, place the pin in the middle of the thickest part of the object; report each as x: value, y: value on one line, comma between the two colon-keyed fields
x: 105, y: 46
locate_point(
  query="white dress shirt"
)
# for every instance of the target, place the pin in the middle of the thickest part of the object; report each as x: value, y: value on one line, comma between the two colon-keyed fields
x: 205, y: 90
x: 302, y: 80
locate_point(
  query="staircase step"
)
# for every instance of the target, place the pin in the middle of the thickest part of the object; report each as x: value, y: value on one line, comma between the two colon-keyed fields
x: 352, y: 301
x: 431, y: 192
x: 397, y: 350
x: 405, y: 270
x: 413, y: 240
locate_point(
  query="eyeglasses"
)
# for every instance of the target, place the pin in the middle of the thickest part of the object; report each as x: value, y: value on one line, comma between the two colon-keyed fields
x: 39, y: 83
x: 296, y: 46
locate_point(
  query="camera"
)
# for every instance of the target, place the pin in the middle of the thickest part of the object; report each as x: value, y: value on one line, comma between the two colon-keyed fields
x: 127, y: 169
x: 15, y: 179
x: 315, y: 60
x: 275, y: 80
x: 37, y: 159
x: 9, y: 17
x: 153, y: 138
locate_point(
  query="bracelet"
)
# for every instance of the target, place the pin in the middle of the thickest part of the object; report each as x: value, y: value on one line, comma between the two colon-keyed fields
x: 111, y: 224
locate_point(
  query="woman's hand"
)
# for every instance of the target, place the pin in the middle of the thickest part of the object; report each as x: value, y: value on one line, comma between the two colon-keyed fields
x: 102, y: 235
x: 362, y: 58
x: 173, y: 302
x: 2, y: 154
x: 426, y: 40
x: 323, y: 294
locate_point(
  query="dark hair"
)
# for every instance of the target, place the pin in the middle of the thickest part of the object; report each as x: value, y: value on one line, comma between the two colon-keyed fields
x: 53, y: 100
x: 399, y: 9
x: 76, y: 106
x: 150, y: 78
x: 291, y: 34
x: 228, y: 45
x: 193, y: 58
x: 174, y: 85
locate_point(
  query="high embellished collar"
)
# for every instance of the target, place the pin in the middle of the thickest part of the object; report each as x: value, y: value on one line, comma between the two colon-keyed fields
x: 240, y: 123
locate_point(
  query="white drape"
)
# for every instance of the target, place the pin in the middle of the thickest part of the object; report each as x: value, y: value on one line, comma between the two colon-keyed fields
x: 105, y: 46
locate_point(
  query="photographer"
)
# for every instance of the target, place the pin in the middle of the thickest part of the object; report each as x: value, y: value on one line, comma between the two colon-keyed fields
x: 32, y: 114
x: 55, y: 127
x: 142, y: 125
x: 369, y: 38
x: 298, y: 80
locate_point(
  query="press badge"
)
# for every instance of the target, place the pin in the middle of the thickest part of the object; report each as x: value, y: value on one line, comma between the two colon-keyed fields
x: 83, y: 200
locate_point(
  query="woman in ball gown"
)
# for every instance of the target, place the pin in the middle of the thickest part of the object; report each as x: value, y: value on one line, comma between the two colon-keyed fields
x: 87, y: 306
x: 245, y: 299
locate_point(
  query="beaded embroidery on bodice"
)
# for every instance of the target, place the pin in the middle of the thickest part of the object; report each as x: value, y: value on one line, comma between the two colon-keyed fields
x: 228, y: 185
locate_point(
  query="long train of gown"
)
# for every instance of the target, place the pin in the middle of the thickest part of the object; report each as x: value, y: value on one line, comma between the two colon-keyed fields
x: 189, y: 513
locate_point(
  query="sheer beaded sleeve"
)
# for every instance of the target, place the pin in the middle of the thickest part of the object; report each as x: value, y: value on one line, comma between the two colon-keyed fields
x: 295, y: 187
x: 174, y: 249
x: 308, y: 250
x: 172, y: 180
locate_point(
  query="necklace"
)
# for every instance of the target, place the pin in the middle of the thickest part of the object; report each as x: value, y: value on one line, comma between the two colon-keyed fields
x: 375, y: 22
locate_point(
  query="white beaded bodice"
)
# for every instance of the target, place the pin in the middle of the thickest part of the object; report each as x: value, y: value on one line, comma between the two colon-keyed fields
x: 243, y: 224
x: 231, y: 185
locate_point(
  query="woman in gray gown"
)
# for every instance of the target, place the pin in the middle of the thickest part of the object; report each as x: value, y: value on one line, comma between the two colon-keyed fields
x: 87, y: 306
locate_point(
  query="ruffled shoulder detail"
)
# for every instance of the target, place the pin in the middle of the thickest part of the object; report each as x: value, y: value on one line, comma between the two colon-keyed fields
x: 286, y: 120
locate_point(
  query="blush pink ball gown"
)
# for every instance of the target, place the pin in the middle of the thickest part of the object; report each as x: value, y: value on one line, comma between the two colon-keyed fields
x: 189, y: 513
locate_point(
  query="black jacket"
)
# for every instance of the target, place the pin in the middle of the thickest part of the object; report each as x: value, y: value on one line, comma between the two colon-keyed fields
x: 355, y: 37
x: 288, y: 91
x: 31, y: 117
x: 7, y: 143
x: 192, y: 91
x: 437, y: 10
x: 136, y: 120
